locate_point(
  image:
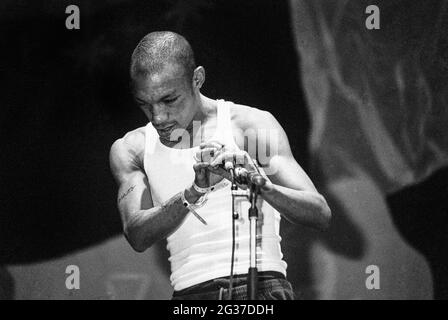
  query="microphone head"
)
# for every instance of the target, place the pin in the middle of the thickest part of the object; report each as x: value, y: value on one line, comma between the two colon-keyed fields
x: 258, y: 179
x: 241, y: 172
x: 241, y: 175
x: 228, y: 165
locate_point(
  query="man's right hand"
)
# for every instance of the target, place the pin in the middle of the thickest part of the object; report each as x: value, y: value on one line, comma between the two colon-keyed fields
x: 204, y: 178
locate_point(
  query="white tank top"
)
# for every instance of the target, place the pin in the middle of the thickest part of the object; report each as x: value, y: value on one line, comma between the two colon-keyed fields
x: 203, y: 252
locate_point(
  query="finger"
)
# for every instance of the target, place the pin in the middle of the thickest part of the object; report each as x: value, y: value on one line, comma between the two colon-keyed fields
x: 237, y: 157
x: 221, y: 172
x: 211, y: 144
x: 200, y: 165
x: 254, y: 163
x: 199, y: 155
x: 249, y: 165
x: 206, y: 154
x: 241, y: 158
x: 221, y: 158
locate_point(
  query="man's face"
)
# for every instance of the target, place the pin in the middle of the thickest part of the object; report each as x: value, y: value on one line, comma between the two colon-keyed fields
x: 167, y: 99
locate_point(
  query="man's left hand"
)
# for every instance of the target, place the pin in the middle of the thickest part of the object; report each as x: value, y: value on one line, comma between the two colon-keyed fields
x: 238, y: 157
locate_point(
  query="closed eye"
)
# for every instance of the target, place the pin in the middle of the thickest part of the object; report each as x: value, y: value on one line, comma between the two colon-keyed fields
x: 140, y: 103
x: 170, y: 100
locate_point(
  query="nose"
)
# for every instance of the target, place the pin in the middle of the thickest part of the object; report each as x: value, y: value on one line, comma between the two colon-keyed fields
x: 159, y: 115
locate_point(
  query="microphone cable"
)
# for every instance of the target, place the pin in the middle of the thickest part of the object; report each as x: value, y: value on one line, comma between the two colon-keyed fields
x: 234, y: 217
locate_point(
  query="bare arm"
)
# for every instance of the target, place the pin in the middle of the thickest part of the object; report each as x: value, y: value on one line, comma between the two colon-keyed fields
x: 290, y: 191
x: 143, y: 224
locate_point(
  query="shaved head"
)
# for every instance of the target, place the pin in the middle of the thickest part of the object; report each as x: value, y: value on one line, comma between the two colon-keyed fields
x: 159, y: 49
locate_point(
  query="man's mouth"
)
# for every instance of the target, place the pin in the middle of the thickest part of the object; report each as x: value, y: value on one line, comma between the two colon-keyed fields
x: 165, y: 131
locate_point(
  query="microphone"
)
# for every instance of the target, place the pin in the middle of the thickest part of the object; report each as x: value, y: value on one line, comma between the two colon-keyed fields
x: 243, y: 176
x: 228, y: 165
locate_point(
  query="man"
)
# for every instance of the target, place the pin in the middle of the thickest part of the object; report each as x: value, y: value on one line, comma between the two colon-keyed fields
x: 173, y: 183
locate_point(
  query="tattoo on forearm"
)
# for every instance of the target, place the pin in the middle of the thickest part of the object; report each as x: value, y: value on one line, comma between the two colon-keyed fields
x: 125, y: 194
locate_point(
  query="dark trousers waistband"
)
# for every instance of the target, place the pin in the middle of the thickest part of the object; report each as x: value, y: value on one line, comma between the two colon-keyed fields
x: 237, y: 279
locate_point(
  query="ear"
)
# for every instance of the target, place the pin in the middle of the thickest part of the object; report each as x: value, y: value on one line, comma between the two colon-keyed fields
x: 198, y: 77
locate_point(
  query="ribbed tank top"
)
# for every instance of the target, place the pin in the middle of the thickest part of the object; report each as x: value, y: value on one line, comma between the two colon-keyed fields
x: 203, y: 252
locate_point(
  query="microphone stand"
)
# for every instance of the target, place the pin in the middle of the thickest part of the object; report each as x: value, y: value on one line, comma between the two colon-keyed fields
x: 252, y: 276
x: 234, y: 190
x: 254, y: 191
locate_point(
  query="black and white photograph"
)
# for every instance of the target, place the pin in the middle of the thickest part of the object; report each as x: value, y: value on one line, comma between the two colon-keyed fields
x: 224, y: 150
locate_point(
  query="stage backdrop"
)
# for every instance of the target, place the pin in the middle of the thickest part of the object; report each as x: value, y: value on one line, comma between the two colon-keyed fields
x: 379, y: 143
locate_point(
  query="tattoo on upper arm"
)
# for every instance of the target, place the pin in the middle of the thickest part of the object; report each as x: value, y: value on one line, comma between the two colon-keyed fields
x: 124, y: 195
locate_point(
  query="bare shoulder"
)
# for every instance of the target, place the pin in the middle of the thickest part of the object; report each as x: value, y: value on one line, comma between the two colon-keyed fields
x: 249, y: 120
x: 245, y: 117
x: 126, y: 153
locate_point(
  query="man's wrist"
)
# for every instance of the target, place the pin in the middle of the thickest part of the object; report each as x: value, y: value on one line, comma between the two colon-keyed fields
x: 191, y: 195
x: 268, y: 187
